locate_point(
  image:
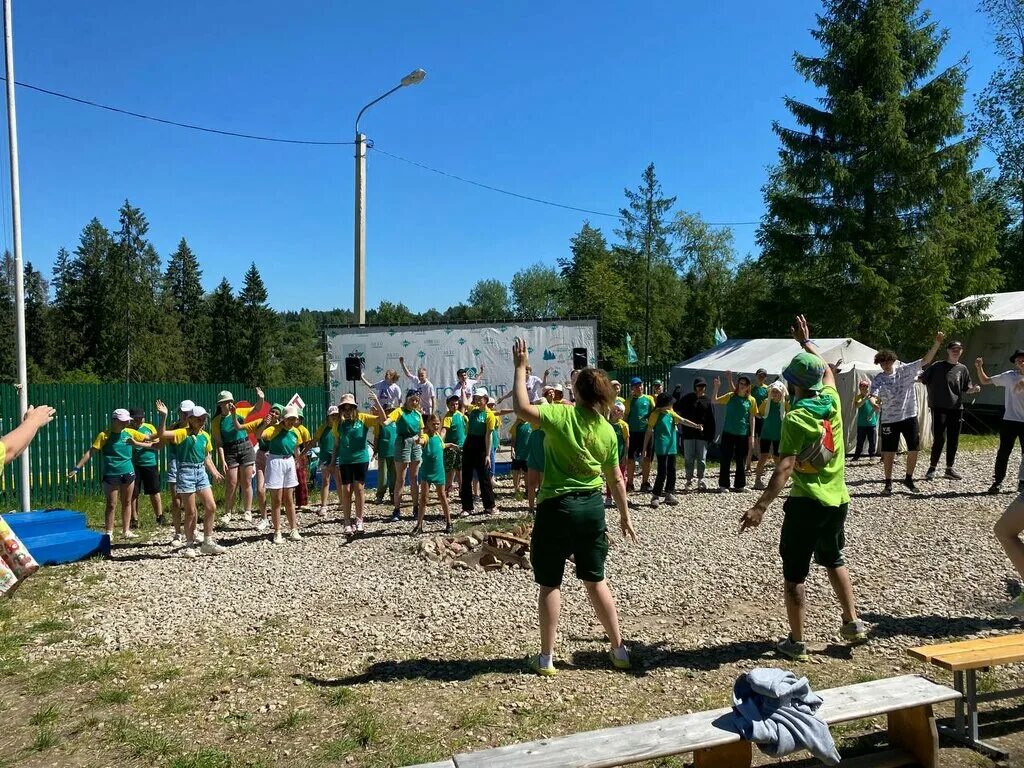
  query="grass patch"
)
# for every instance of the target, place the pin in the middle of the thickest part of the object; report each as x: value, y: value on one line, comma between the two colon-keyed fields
x: 102, y: 670
x: 366, y: 727
x: 261, y: 673
x: 93, y: 578
x: 113, y: 696
x: 208, y: 757
x: 339, y: 697
x: 978, y: 442
x: 494, y: 524
x: 337, y: 750
x: 45, y: 738
x: 293, y: 719
x: 177, y: 703
x: 49, y: 625
x: 47, y: 715
x: 477, y: 717
x: 141, y: 742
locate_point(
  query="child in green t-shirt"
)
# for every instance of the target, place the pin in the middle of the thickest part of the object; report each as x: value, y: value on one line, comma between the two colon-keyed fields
x: 661, y: 433
x: 867, y: 408
x: 432, y: 472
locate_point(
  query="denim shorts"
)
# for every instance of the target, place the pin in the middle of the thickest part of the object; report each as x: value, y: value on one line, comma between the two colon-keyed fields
x: 192, y: 478
x: 172, y: 468
x: 409, y: 450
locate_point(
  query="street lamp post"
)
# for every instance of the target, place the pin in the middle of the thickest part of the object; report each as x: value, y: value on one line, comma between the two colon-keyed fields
x: 359, y: 302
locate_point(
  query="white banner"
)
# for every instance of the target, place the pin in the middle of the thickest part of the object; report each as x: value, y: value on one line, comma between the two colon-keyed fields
x: 443, y: 349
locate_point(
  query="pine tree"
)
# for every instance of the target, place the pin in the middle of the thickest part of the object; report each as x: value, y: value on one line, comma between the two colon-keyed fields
x: 224, y: 351
x: 259, y: 329
x: 645, y: 259
x: 41, y: 342
x: 872, y: 222
x: 79, y: 307
x: 183, y: 290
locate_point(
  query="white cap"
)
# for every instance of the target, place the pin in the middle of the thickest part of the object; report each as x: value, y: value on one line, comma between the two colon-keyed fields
x: 492, y: 401
x: 186, y: 406
x: 480, y: 392
x: 198, y: 412
x: 332, y: 410
x: 290, y: 412
x: 121, y: 414
x: 558, y: 388
x: 619, y: 406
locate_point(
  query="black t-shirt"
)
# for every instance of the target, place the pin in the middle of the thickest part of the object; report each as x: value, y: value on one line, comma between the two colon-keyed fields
x: 700, y: 410
x: 946, y: 384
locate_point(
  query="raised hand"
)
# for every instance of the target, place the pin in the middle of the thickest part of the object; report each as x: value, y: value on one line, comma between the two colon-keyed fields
x: 939, y: 337
x: 979, y: 361
x: 519, y: 353
x: 40, y: 415
x: 259, y: 393
x: 161, y: 408
x: 800, y: 330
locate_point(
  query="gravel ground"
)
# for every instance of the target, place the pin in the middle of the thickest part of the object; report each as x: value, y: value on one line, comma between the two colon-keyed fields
x: 698, y: 603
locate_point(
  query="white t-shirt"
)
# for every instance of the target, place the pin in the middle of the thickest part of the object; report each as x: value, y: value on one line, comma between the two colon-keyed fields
x: 390, y: 395
x: 1013, y: 397
x: 426, y: 393
x: 534, y: 386
x: 468, y: 387
x: 897, y: 392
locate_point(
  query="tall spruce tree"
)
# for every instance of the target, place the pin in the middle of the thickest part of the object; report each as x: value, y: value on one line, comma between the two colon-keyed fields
x: 38, y: 325
x: 224, y: 351
x: 80, y: 305
x: 645, y: 259
x: 872, y: 225
x: 259, y: 329
x: 183, y: 290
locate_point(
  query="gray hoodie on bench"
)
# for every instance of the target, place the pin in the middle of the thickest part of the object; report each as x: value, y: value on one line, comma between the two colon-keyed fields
x: 775, y: 710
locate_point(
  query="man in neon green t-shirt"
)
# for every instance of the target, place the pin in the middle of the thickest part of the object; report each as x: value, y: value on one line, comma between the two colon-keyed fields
x: 812, y: 452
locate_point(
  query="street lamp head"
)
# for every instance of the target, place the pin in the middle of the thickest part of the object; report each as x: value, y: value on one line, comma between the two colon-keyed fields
x: 416, y: 76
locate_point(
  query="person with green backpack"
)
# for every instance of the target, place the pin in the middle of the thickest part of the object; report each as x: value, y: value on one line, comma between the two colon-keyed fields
x: 812, y: 453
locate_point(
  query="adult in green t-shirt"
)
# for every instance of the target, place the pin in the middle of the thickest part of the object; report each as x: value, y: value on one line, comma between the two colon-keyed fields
x: 867, y: 408
x: 815, y: 512
x: 580, y: 450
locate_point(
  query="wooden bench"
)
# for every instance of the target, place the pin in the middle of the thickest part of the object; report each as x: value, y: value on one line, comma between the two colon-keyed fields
x: 964, y: 659
x: 906, y: 701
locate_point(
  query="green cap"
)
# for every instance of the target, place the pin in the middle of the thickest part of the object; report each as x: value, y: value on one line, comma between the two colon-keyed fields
x: 277, y: 407
x: 805, y: 371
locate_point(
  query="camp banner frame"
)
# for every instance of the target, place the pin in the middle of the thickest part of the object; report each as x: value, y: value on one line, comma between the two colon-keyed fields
x: 445, y: 348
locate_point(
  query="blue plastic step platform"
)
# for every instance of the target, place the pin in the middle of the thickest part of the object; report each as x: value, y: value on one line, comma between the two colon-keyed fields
x: 57, y: 536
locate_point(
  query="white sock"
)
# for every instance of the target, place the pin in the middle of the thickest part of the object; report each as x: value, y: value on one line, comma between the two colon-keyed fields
x: 621, y: 653
x: 544, y: 660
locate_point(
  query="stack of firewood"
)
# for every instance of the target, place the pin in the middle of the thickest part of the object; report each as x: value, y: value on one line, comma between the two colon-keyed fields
x: 480, y: 549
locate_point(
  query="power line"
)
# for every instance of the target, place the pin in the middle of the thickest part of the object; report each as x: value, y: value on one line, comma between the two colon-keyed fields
x: 176, y: 123
x: 312, y: 142
x: 530, y: 198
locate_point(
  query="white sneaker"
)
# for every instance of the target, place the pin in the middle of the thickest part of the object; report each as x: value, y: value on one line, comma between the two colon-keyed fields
x: 263, y: 524
x: 293, y: 535
x: 278, y: 538
x: 129, y: 535
x: 212, y: 548
x: 701, y: 485
x: 177, y: 542
x: 247, y: 516
x: 190, y: 552
x: 225, y: 519
x: 198, y: 534
x: 359, y: 525
x: 655, y: 501
x: 348, y: 530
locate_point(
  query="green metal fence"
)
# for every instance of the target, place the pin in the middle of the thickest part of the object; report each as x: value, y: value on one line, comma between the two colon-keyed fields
x: 83, y: 410
x: 646, y: 372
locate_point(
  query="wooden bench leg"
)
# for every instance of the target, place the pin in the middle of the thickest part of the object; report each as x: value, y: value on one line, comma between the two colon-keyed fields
x: 914, y: 730
x: 738, y: 754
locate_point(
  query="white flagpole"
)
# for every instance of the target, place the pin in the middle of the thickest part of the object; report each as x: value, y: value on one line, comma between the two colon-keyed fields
x: 25, y: 491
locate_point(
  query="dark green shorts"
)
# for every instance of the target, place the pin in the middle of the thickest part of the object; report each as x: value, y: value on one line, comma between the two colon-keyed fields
x: 572, y: 524
x: 811, y: 529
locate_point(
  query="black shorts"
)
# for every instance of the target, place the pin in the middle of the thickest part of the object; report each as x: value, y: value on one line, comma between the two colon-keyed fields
x: 125, y: 479
x: 572, y: 524
x: 636, y: 446
x: 769, y: 447
x: 891, y: 433
x: 239, y: 454
x: 353, y: 473
x: 810, y: 529
x: 147, y: 480
x: 758, y: 426
x: 519, y: 465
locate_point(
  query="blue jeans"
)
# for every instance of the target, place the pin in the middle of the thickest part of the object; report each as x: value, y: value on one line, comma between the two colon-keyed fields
x: 695, y: 452
x: 192, y: 478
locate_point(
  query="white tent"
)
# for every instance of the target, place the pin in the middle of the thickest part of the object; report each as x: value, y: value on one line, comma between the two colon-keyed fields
x: 995, y: 339
x: 745, y: 356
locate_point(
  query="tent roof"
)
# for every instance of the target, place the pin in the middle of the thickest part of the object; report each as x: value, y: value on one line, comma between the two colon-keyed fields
x: 1003, y: 306
x: 747, y: 355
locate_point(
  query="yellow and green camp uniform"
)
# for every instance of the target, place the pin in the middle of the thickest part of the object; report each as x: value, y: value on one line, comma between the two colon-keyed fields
x: 734, y: 442
x: 117, y: 454
x: 281, y: 441
x: 535, y: 454
x: 481, y: 420
x: 233, y: 433
x: 145, y: 457
x: 351, y: 450
x: 385, y: 436
x: 455, y: 435
x: 432, y: 465
x: 520, y: 434
x: 663, y: 423
x: 771, y: 414
x: 409, y: 426
x: 638, y: 411
x: 737, y: 413
x: 622, y: 437
x: 815, y: 512
x: 191, y: 451
x: 325, y: 438
x: 579, y: 447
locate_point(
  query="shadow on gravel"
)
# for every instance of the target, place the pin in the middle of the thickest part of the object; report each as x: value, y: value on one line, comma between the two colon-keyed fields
x: 446, y: 670
x: 934, y: 626
x: 647, y: 656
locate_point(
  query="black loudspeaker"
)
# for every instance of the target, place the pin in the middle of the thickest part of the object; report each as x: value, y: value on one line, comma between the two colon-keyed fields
x: 354, y: 368
x: 579, y: 358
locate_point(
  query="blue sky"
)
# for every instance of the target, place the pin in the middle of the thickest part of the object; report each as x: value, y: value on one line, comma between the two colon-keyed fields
x: 563, y: 101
